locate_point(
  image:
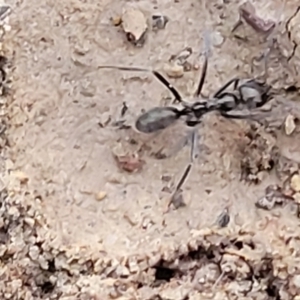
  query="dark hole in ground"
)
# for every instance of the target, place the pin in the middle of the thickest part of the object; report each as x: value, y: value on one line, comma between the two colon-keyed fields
x: 291, y: 89
x: 6, y: 257
x: 47, y: 287
x: 239, y: 245
x: 163, y: 273
x: 51, y: 266
x: 273, y: 292
x: 272, y: 163
x: 4, y: 237
x: 139, y: 285
x: 194, y: 255
x: 39, y: 244
x: 200, y: 252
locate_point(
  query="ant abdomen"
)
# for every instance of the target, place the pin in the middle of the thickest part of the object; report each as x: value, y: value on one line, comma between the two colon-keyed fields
x: 156, y: 119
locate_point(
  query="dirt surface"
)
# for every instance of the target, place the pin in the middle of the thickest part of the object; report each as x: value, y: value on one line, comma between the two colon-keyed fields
x: 77, y: 226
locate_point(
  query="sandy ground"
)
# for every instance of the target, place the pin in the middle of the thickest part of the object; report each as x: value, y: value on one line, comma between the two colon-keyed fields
x: 76, y: 226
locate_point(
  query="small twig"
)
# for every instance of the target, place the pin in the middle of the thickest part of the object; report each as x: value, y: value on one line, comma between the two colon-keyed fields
x: 218, y: 280
x: 124, y: 109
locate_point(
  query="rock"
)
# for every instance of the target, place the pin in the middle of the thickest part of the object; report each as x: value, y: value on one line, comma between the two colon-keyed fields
x: 289, y: 124
x: 135, y: 26
x: 174, y: 70
x: 217, y: 39
x: 116, y: 20
x: 100, y: 195
x: 295, y: 183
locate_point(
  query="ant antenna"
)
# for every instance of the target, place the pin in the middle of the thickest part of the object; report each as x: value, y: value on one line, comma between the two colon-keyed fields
x: 271, y: 40
x: 206, y: 38
x: 202, y: 78
x: 160, y: 77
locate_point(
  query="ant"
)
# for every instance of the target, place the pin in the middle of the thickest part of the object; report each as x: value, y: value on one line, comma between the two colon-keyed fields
x: 247, y: 94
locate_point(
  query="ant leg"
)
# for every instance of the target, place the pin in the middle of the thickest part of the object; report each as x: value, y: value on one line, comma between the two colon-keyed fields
x: 229, y: 115
x: 176, y: 196
x: 161, y: 78
x: 258, y: 118
x: 202, y: 78
x: 169, y: 86
x: 226, y: 85
x: 266, y: 57
x: 271, y: 39
x: 176, y: 148
x: 194, y: 145
x: 183, y: 178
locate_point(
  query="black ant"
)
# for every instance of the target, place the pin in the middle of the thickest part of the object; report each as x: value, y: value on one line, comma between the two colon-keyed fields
x: 247, y: 94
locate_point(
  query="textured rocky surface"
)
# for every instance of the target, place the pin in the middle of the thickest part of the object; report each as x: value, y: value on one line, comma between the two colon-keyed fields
x: 76, y: 225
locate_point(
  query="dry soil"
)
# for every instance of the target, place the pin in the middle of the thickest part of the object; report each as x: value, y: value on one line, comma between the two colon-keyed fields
x: 77, y: 226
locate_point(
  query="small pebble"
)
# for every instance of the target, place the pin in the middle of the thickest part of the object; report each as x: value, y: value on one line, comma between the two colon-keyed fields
x: 196, y: 67
x: 21, y: 176
x: 116, y: 20
x: 100, y: 196
x: 135, y: 26
x: 295, y: 183
x: 218, y: 39
x: 289, y: 124
x: 174, y: 70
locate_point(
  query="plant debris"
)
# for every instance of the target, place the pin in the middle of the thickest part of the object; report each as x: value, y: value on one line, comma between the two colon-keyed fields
x: 181, y: 58
x: 159, y: 21
x: 247, y: 13
x: 224, y: 218
x: 120, y: 124
x: 285, y: 168
x: 124, y: 109
x: 259, y: 154
x: 105, y: 119
x: 135, y: 26
x: 273, y: 196
x: 178, y: 63
x: 130, y: 163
